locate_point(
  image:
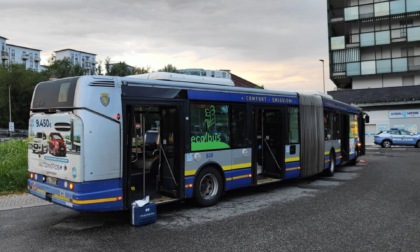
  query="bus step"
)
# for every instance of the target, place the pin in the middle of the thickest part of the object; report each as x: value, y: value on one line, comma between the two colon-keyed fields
x: 267, y: 180
x: 163, y: 199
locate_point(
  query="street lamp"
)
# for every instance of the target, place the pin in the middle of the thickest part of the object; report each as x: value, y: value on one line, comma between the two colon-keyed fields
x: 323, y: 74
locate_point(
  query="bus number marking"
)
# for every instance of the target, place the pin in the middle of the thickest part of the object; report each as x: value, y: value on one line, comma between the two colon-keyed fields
x: 42, y: 123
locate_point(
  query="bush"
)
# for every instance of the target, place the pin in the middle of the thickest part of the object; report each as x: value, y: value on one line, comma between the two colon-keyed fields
x: 13, y: 166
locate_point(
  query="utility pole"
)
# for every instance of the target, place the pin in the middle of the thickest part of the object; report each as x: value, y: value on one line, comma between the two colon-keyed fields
x: 323, y: 74
x: 11, y: 125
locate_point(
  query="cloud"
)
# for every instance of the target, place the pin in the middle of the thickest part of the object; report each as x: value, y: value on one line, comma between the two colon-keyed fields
x: 267, y: 41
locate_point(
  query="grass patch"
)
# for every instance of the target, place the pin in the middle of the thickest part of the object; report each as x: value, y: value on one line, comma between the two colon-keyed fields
x: 13, y: 166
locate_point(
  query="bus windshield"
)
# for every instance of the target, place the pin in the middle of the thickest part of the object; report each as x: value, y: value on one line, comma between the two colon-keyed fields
x: 55, y: 94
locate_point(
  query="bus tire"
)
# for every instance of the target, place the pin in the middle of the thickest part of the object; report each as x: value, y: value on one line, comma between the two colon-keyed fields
x: 208, y: 187
x: 331, y: 168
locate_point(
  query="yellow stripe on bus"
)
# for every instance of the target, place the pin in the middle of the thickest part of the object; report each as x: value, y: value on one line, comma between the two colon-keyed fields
x: 292, y: 159
x: 225, y: 168
x: 61, y: 197
x: 239, y: 177
x: 83, y: 202
x: 236, y: 166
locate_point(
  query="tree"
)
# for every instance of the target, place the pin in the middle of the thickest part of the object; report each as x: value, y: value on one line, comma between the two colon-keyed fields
x: 22, y: 82
x: 168, y: 68
x: 142, y: 70
x: 120, y: 69
x: 63, y: 68
x: 99, y: 68
x: 108, y: 65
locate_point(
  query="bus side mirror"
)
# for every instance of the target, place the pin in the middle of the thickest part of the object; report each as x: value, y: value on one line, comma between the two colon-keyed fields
x: 366, y: 118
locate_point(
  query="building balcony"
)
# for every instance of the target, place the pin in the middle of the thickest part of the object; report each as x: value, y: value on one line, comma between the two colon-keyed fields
x: 37, y: 59
x: 87, y: 65
x: 399, y: 65
x: 4, y: 55
x: 25, y: 56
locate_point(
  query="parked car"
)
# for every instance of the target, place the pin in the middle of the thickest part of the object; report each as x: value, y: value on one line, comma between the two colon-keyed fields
x: 57, y: 144
x: 395, y: 136
x: 40, y: 144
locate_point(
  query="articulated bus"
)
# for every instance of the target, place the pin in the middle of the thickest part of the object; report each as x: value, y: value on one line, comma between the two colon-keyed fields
x: 99, y: 143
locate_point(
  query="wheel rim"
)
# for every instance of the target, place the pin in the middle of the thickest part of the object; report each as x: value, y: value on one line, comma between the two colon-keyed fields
x: 387, y: 144
x: 209, y: 186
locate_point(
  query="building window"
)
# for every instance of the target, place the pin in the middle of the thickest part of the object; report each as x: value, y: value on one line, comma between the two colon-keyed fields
x: 413, y: 34
x: 383, y: 66
x: 338, y: 43
x: 403, y: 27
x: 382, y: 38
x: 366, y: 11
x: 413, y: 5
x: 353, y: 69
x: 381, y: 9
x: 399, y: 65
x: 368, y: 67
x: 351, y: 13
x: 367, y: 39
x: 397, y: 7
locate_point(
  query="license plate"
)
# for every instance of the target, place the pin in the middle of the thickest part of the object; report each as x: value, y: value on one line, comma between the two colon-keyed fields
x: 52, y: 181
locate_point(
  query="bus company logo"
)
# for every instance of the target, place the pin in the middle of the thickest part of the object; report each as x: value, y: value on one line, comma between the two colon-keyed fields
x: 105, y: 99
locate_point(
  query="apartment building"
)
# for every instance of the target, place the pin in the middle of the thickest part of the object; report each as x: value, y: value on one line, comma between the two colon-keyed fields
x: 374, y: 54
x: 84, y: 59
x: 14, y: 54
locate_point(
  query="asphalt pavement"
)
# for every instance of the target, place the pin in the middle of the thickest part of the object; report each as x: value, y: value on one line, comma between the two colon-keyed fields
x: 24, y: 200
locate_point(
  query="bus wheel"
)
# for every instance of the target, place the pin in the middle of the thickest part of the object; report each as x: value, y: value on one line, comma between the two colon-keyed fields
x: 386, y: 144
x: 208, y: 187
x: 330, y: 171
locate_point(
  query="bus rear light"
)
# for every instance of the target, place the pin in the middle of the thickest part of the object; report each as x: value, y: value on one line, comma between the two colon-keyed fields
x: 119, y: 198
x: 189, y: 185
x: 31, y: 175
x: 359, y: 144
x: 71, y: 186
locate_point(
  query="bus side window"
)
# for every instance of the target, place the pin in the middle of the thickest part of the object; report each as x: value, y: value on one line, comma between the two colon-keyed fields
x: 238, y: 126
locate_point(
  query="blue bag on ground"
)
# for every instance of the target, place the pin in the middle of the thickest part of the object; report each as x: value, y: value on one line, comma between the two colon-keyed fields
x: 143, y: 212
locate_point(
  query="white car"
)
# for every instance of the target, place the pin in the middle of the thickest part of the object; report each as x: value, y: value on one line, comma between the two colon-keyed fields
x: 40, y: 144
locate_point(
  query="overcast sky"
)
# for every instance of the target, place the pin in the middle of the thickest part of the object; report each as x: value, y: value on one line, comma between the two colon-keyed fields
x: 275, y: 43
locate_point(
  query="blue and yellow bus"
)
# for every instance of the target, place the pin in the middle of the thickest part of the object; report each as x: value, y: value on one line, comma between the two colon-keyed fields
x: 173, y: 137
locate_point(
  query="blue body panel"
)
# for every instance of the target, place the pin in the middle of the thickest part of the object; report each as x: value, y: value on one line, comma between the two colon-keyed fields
x: 103, y: 195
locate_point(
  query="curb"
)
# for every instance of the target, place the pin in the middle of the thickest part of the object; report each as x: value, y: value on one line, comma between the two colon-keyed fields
x: 18, y: 201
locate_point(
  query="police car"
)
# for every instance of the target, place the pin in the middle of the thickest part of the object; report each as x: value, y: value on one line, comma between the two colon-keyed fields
x: 391, y: 137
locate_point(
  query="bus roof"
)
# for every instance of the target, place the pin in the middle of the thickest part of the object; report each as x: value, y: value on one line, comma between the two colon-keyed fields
x: 184, y: 78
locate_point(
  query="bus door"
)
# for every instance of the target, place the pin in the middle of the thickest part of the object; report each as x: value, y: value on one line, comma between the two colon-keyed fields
x: 345, y: 143
x: 269, y: 149
x: 153, y: 161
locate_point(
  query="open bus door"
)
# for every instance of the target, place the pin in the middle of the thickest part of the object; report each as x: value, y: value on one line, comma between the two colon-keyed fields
x: 269, y: 144
x: 152, y: 167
